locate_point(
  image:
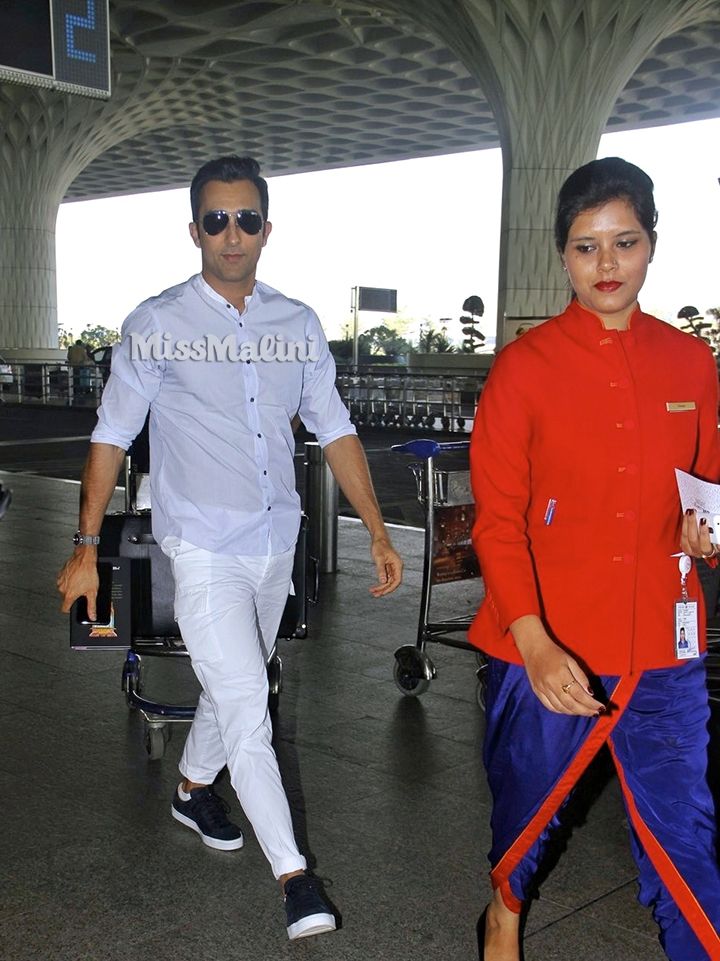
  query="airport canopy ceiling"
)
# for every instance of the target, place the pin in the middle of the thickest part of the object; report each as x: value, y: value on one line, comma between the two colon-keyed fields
x: 309, y: 84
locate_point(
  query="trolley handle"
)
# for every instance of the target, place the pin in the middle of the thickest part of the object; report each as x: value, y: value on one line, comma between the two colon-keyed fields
x: 429, y: 448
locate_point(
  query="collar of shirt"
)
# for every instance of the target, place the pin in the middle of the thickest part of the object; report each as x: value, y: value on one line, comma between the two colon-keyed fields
x: 204, y: 286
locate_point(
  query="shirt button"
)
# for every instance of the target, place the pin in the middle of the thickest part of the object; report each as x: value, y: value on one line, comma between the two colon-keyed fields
x: 259, y: 435
x: 252, y: 400
x: 264, y: 472
x: 621, y: 470
x: 247, y: 361
x: 269, y: 508
x: 617, y: 559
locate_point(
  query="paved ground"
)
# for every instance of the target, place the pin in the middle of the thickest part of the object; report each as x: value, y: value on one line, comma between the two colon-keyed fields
x: 388, y: 794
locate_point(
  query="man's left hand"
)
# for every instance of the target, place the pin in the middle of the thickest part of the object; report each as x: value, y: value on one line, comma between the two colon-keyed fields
x: 388, y: 565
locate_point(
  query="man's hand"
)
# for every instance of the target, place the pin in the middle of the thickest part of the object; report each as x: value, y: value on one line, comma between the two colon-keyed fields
x: 388, y: 565
x: 349, y: 465
x: 557, y: 680
x: 79, y: 578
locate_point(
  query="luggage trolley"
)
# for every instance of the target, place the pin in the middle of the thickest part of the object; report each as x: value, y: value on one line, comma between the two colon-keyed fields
x: 449, y: 508
x: 136, y: 609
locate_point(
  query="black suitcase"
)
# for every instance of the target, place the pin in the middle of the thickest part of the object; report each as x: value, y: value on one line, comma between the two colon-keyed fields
x: 137, y: 590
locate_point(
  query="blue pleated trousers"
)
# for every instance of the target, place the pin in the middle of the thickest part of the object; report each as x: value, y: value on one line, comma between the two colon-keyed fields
x: 656, y: 730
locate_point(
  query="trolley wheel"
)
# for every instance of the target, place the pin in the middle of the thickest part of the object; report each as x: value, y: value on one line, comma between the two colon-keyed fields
x: 156, y: 738
x: 407, y: 683
x: 274, y: 672
x: 413, y: 670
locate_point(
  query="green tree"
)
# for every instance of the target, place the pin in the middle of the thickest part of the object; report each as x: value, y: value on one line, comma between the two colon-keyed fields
x: 707, y: 330
x: 383, y: 340
x: 473, y: 337
x: 341, y: 349
x: 433, y: 341
x: 99, y: 336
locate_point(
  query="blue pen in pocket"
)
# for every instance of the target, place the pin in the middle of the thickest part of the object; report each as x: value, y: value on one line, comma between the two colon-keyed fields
x: 550, y: 511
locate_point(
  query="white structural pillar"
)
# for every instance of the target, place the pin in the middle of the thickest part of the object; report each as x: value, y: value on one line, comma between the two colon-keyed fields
x: 552, y: 71
x: 561, y: 67
x: 46, y: 139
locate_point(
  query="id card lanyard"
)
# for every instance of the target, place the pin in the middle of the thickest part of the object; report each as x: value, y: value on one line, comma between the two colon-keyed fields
x: 687, y: 644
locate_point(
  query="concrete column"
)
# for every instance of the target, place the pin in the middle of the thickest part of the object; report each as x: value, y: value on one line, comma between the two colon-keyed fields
x: 560, y: 68
x: 46, y: 139
x: 552, y: 71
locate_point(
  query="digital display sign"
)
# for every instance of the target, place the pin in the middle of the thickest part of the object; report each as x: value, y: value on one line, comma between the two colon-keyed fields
x: 62, y: 44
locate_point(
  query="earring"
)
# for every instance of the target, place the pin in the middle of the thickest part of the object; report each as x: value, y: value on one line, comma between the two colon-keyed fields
x: 564, y: 266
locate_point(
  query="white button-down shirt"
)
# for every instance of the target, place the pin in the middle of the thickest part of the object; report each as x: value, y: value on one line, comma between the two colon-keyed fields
x: 221, y: 446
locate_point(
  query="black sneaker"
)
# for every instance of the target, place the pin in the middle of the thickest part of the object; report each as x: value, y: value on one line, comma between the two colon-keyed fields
x: 206, y: 813
x: 307, y: 910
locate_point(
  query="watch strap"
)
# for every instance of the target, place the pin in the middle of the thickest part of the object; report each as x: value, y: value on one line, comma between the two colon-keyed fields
x: 85, y: 539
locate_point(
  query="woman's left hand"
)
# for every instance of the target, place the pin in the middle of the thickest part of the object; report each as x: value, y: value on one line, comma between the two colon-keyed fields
x: 695, y: 540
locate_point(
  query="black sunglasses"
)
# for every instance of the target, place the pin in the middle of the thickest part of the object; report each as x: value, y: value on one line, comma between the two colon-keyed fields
x: 215, y: 221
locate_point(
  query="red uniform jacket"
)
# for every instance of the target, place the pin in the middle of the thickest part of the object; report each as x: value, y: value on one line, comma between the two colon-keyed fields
x: 590, y: 418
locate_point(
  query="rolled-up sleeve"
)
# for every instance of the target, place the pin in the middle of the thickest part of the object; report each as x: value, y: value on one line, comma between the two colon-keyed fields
x: 134, y: 382
x: 321, y: 408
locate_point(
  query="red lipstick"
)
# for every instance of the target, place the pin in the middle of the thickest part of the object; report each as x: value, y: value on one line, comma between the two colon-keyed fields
x: 608, y: 286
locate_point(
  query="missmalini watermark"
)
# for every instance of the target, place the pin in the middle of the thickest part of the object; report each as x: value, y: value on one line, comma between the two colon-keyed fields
x: 209, y: 347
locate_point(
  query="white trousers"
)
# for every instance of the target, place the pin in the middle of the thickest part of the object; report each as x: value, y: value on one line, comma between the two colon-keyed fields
x: 228, y: 608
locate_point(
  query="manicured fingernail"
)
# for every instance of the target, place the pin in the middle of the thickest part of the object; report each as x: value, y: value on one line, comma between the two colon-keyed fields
x: 590, y: 691
x: 601, y: 711
x: 703, y: 522
x: 688, y: 512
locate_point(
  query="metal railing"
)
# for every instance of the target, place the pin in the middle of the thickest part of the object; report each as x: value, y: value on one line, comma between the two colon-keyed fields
x: 51, y: 383
x: 431, y: 401
x: 376, y: 397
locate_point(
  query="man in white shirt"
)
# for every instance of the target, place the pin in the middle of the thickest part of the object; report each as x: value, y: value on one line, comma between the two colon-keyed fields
x: 224, y: 363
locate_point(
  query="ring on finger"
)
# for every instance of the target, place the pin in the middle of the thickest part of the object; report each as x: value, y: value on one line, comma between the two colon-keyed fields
x: 712, y: 553
x: 566, y: 687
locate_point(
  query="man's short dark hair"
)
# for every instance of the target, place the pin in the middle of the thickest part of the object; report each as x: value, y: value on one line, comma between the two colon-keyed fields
x: 228, y: 170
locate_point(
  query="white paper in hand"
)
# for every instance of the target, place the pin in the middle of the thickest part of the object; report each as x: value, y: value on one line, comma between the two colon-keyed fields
x: 703, y: 497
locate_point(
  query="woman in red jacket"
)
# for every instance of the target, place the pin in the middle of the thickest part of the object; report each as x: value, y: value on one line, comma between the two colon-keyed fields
x: 578, y: 432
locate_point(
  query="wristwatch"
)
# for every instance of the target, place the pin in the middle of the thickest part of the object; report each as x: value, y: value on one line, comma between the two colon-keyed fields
x: 79, y: 538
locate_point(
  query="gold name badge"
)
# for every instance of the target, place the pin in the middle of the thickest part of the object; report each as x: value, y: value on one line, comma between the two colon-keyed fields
x: 679, y: 405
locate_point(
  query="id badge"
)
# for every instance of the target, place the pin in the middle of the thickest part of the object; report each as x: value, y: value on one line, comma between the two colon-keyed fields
x: 687, y: 645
